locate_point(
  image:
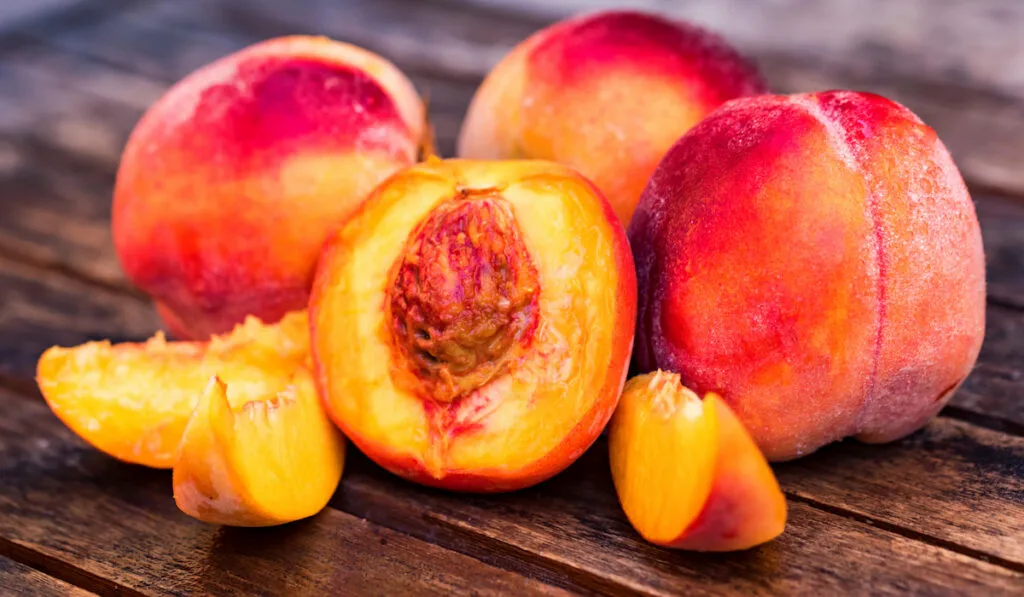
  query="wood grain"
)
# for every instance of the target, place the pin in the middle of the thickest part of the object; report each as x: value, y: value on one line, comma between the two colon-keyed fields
x: 64, y: 500
x: 39, y: 309
x: 19, y: 580
x: 71, y: 503
x: 952, y: 481
x: 570, y: 530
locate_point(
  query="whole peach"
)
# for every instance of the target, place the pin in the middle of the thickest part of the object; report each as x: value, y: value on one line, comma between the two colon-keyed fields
x: 817, y: 260
x: 232, y: 181
x: 607, y: 94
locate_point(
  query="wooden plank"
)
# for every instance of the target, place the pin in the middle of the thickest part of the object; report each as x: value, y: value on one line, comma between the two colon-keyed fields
x: 63, y: 500
x: 571, y: 528
x: 116, y: 521
x: 18, y: 580
x: 57, y: 208
x: 81, y: 106
x: 39, y: 309
x: 954, y: 481
x: 1002, y: 224
x: 996, y: 386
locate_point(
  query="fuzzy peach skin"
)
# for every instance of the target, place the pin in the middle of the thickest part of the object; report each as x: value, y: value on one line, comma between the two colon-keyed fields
x: 817, y: 260
x: 232, y: 181
x: 261, y: 459
x: 133, y: 400
x: 607, y: 94
x: 472, y: 324
x: 688, y: 474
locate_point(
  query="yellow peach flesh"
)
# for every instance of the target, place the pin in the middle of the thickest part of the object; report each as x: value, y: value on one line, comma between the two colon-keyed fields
x: 507, y: 432
x: 133, y: 401
x: 662, y: 444
x: 259, y: 461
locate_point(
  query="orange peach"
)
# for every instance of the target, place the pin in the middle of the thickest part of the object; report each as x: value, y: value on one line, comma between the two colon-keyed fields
x: 133, y: 401
x: 815, y: 259
x: 688, y: 474
x: 472, y: 324
x: 232, y: 181
x: 607, y: 94
x: 264, y: 460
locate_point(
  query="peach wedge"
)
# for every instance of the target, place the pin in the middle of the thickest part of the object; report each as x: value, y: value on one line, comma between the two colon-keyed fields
x: 133, y: 400
x: 472, y: 324
x: 265, y: 461
x: 688, y: 474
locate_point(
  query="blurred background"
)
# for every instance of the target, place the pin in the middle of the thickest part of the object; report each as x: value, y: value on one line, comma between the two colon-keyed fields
x: 76, y: 74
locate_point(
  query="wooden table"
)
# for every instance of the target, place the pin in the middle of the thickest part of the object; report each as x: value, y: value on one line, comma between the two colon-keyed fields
x: 941, y: 512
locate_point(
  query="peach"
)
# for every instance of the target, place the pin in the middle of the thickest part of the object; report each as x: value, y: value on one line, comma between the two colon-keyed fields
x: 688, y: 474
x: 267, y: 460
x: 133, y: 401
x: 607, y: 94
x: 231, y: 182
x: 472, y: 324
x: 815, y: 259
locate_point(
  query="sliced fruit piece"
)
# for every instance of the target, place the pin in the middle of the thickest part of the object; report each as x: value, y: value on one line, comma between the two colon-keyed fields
x: 133, y: 400
x: 272, y: 459
x: 687, y: 472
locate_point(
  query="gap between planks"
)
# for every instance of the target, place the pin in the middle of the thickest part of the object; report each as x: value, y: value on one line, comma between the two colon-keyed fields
x: 905, y: 532
x: 61, y: 570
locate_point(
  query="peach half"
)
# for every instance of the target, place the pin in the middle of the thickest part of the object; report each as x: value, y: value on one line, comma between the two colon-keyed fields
x: 268, y: 460
x: 607, y: 94
x: 472, y: 324
x: 816, y: 260
x: 688, y: 474
x: 231, y: 182
x: 133, y: 400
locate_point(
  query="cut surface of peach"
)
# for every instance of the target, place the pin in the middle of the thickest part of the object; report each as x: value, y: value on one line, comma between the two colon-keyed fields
x: 133, y: 400
x: 687, y: 472
x: 472, y: 324
x: 259, y: 460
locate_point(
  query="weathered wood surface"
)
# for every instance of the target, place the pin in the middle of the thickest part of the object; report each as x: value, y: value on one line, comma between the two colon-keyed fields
x: 67, y: 502
x: 19, y: 580
x: 941, y: 512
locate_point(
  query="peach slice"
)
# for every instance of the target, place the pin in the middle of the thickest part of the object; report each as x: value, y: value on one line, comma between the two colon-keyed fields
x: 133, y: 400
x: 471, y: 325
x: 688, y: 474
x: 231, y: 182
x: 258, y: 460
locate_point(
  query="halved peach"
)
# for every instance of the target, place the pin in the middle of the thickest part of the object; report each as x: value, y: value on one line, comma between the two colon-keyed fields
x: 688, y: 474
x: 133, y: 400
x: 471, y: 325
x: 259, y: 459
